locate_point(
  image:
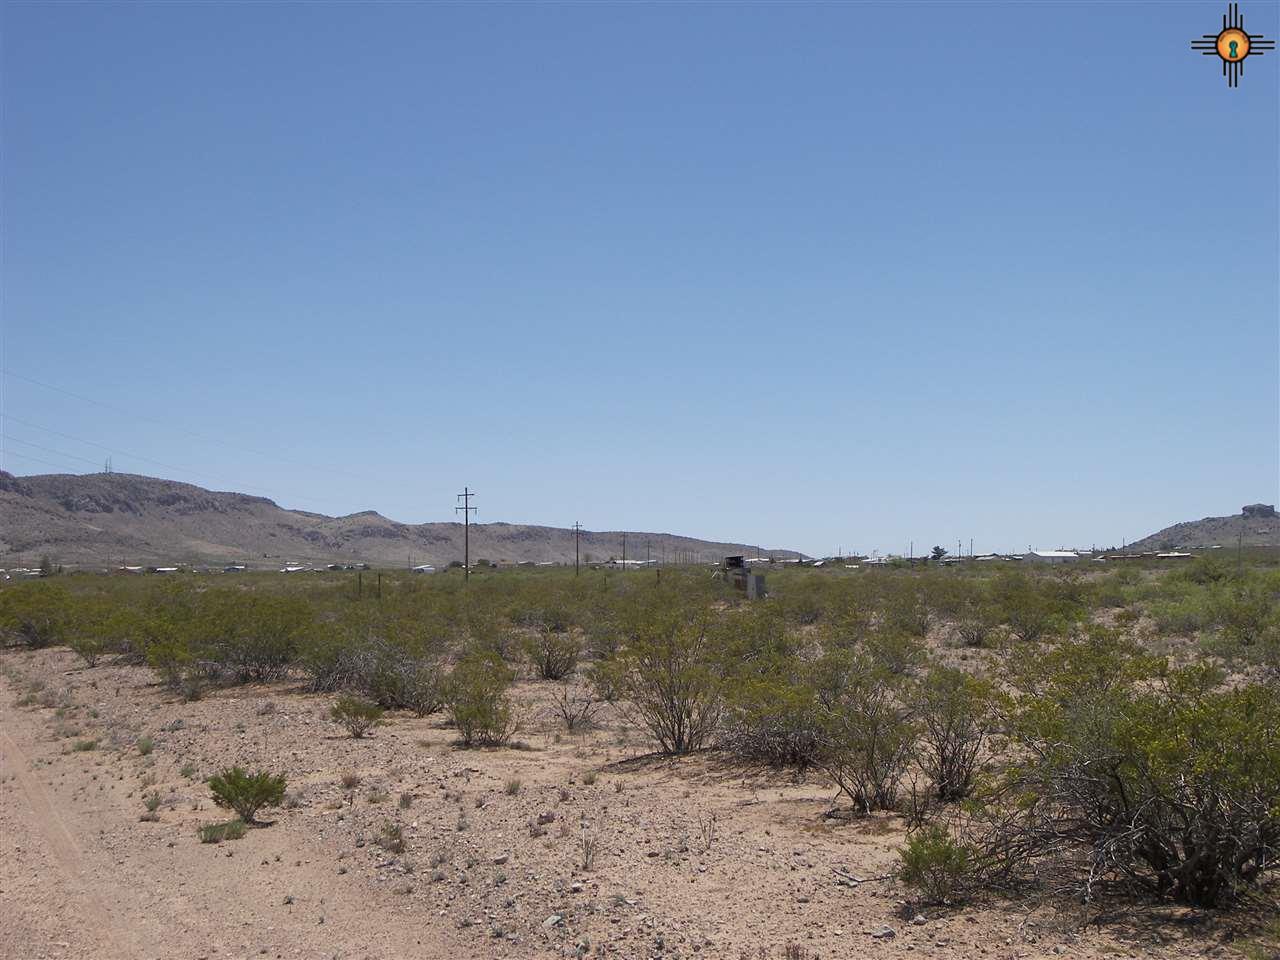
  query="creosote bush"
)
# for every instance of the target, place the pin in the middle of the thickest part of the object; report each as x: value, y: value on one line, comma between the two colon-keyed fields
x: 1135, y: 773
x: 34, y: 615
x: 955, y: 714
x: 553, y: 654
x: 670, y: 678
x: 476, y: 697
x: 246, y: 793
x: 867, y: 733
x: 357, y: 715
x: 936, y: 865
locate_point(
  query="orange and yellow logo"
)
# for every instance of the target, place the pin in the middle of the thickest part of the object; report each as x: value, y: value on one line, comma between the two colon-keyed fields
x: 1232, y: 45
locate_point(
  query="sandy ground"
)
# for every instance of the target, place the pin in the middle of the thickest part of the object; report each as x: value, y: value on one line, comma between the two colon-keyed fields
x: 81, y: 875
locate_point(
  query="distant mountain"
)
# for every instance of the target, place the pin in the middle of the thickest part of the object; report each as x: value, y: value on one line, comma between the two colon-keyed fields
x: 101, y: 520
x: 1257, y: 525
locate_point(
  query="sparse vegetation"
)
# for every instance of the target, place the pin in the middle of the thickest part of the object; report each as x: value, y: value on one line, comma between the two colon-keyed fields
x: 391, y: 838
x: 1022, y: 743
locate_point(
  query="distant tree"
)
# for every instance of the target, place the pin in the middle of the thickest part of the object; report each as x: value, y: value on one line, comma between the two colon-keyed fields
x: 46, y: 567
x: 938, y: 554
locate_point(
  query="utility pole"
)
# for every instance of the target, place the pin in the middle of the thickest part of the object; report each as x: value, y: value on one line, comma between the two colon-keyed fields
x: 577, y: 531
x: 467, y: 509
x: 624, y: 551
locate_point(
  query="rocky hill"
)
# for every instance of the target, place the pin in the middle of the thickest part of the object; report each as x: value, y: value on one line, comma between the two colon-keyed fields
x: 105, y: 519
x: 1257, y: 525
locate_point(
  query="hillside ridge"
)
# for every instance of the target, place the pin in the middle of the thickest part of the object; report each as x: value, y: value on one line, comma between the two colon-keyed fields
x: 109, y: 519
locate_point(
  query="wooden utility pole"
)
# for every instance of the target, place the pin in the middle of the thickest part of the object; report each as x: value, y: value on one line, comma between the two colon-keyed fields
x: 624, y: 551
x: 467, y: 509
x: 577, y: 531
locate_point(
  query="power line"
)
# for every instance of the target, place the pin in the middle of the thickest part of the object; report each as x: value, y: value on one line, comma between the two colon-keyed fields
x: 25, y: 456
x: 69, y: 456
x: 466, y: 508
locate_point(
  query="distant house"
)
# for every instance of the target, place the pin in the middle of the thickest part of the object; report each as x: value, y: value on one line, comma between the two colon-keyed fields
x: 1051, y: 556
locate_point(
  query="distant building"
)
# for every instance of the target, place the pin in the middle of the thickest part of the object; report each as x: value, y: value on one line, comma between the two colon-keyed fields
x: 1051, y: 556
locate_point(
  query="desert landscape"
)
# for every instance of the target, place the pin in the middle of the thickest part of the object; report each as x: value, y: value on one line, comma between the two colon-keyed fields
x: 571, y: 824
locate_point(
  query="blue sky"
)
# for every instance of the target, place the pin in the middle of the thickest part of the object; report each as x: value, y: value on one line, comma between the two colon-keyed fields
x: 802, y: 275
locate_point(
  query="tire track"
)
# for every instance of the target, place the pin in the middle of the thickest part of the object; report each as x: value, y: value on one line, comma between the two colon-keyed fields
x: 98, y: 925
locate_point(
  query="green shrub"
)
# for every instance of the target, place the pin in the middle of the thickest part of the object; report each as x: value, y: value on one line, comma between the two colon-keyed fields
x: 976, y: 619
x: 357, y: 715
x: 1034, y: 607
x: 89, y: 648
x: 1167, y: 779
x: 476, y: 697
x: 554, y: 655
x: 670, y: 677
x: 246, y: 793
x: 217, y: 832
x: 936, y: 865
x: 1245, y: 612
x: 34, y: 614
x: 867, y: 733
x: 955, y: 714
x: 250, y: 637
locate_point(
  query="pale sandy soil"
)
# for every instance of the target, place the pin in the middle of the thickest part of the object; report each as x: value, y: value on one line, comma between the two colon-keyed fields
x: 81, y: 876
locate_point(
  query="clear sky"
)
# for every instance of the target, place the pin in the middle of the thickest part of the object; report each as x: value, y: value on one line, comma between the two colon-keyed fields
x: 803, y: 275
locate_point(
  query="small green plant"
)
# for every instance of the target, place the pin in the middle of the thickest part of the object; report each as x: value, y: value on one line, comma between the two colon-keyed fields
x: 406, y: 801
x: 247, y: 793
x: 377, y: 796
x: 145, y: 745
x: 189, y: 770
x: 935, y: 864
x: 217, y: 832
x: 511, y: 787
x: 350, y: 781
x: 83, y: 746
x: 356, y: 714
x: 589, y: 778
x: 152, y: 802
